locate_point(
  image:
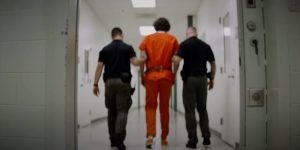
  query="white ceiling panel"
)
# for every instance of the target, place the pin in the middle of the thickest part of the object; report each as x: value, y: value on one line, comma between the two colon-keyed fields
x: 122, y: 14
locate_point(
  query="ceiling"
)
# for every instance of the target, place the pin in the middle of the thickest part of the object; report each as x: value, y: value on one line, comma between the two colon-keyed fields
x: 121, y: 13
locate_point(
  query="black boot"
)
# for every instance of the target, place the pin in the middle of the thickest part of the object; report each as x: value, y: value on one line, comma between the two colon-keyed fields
x: 206, y: 142
x: 113, y: 142
x: 121, y: 146
x: 191, y: 144
x: 120, y: 142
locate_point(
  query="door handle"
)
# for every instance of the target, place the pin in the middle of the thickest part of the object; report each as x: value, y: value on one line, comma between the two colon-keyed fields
x: 254, y: 43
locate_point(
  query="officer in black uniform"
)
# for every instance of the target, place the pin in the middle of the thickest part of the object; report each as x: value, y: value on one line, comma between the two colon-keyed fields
x: 196, y: 54
x: 116, y: 58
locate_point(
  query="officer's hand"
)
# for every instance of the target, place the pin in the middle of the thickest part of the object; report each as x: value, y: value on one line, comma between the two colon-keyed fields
x: 96, y: 91
x: 211, y: 84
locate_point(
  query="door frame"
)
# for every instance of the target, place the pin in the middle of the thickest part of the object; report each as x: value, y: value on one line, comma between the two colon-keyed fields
x: 71, y: 139
x: 242, y: 144
x: 243, y: 76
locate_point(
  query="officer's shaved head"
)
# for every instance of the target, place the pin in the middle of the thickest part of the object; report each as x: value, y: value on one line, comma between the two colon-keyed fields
x: 116, y: 31
x: 191, y: 31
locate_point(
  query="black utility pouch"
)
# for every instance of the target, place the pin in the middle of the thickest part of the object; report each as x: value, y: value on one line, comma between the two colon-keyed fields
x: 104, y: 78
x: 132, y: 91
x: 126, y: 77
x: 183, y: 76
x: 208, y: 74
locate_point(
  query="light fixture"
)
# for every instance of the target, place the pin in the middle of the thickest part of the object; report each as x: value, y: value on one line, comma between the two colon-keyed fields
x: 143, y: 3
x: 146, y: 30
x: 227, y: 31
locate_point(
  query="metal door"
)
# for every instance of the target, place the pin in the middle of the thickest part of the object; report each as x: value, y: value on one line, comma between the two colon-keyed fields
x: 253, y: 75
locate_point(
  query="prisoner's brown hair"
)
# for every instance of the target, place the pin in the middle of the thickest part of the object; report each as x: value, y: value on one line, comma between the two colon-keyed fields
x: 162, y: 24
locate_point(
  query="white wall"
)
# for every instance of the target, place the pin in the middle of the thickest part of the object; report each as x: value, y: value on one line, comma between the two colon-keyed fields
x: 92, y: 37
x: 134, y: 83
x: 32, y: 74
x: 223, y: 100
x: 22, y: 75
x: 283, y: 38
x: 57, y: 121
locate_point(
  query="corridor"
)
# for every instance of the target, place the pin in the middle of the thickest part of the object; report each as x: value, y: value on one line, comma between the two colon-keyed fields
x: 95, y: 136
x: 49, y: 52
x: 97, y: 18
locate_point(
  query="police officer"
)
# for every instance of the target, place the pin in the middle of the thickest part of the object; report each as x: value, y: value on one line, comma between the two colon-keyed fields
x: 116, y: 58
x: 196, y: 54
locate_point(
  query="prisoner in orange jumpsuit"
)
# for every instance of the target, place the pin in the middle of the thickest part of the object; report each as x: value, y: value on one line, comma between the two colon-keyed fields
x: 158, y: 48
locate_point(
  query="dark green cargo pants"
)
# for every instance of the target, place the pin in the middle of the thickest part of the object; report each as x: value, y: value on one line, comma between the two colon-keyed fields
x: 117, y: 101
x: 194, y: 97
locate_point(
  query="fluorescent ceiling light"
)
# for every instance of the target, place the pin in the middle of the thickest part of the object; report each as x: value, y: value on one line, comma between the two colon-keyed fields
x: 143, y: 3
x: 227, y: 31
x: 146, y: 30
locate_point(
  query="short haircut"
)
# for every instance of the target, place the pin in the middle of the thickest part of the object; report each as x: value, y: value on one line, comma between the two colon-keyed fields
x: 193, y: 28
x: 116, y: 31
x: 162, y: 24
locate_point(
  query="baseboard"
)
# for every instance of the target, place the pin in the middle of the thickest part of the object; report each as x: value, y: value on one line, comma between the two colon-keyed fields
x: 83, y: 126
x: 100, y: 119
x: 216, y: 133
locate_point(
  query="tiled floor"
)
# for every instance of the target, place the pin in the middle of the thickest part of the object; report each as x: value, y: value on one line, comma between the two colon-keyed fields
x: 95, y: 137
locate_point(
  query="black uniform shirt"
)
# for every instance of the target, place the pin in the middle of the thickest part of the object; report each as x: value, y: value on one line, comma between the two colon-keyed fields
x: 195, y: 53
x: 116, y: 58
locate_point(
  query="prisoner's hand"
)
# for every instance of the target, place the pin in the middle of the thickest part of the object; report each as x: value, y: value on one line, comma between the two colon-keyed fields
x: 96, y: 91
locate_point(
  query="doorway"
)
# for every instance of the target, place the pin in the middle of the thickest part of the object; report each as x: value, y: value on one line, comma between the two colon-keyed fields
x: 48, y: 68
x: 96, y: 18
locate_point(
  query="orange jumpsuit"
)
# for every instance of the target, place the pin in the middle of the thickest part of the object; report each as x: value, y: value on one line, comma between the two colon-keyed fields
x: 160, y: 48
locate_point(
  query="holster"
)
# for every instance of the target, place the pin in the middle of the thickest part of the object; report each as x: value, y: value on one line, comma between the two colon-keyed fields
x: 132, y: 91
x: 126, y: 77
x: 208, y: 75
x: 184, y: 76
x: 104, y: 77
